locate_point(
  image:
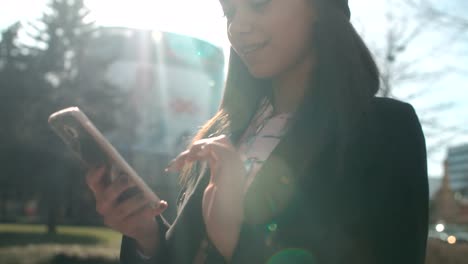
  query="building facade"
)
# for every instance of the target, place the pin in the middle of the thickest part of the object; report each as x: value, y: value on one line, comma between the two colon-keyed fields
x: 450, y: 202
x: 457, y: 166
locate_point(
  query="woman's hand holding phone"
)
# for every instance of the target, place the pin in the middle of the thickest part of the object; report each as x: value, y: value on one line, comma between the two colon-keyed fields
x: 133, y: 216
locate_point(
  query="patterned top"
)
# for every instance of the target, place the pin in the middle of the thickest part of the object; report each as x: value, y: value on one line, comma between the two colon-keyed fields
x: 256, y: 144
x: 261, y: 137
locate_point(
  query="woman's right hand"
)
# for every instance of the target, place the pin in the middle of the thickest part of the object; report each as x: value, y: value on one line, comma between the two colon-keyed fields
x: 134, y: 216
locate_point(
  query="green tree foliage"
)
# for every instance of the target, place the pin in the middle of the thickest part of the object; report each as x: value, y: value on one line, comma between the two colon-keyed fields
x: 35, y: 80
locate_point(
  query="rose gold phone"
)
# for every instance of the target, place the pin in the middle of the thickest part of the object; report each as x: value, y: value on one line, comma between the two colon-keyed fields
x: 92, y: 148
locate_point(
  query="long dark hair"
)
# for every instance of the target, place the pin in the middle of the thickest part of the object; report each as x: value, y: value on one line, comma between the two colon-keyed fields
x: 344, y: 79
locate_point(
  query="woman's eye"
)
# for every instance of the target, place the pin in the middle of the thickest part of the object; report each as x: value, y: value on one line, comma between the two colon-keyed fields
x: 257, y: 4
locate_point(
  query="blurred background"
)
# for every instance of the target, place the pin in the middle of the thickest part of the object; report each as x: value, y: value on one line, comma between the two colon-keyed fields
x: 149, y: 73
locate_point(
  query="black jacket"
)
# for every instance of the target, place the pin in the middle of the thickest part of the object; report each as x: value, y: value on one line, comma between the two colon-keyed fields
x: 377, y: 213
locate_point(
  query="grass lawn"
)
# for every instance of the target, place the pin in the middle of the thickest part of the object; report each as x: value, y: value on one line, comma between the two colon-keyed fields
x: 29, y: 244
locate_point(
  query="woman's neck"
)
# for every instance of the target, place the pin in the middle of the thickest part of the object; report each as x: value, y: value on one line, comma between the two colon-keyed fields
x: 289, y: 87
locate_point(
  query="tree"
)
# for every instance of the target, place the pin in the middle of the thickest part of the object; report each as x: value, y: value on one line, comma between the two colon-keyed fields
x: 38, y: 79
x: 405, y: 57
x: 9, y: 79
x: 453, y: 15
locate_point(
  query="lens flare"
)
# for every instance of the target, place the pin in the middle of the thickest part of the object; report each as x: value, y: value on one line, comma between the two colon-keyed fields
x: 440, y: 228
x: 452, y: 240
x: 272, y: 227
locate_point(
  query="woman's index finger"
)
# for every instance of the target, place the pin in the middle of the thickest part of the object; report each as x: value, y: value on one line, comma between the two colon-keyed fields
x: 94, y: 179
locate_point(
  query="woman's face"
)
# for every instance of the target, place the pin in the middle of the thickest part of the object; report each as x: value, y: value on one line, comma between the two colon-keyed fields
x: 270, y: 36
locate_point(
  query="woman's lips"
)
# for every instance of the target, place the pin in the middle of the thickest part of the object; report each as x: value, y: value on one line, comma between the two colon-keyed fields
x: 251, y: 49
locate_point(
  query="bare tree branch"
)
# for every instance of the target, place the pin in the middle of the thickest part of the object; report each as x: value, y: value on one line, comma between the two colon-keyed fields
x: 408, y: 24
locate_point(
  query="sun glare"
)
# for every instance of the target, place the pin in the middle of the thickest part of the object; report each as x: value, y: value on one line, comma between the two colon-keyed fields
x: 202, y: 19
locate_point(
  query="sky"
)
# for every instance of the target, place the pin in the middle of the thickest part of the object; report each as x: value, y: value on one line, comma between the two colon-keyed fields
x: 203, y: 19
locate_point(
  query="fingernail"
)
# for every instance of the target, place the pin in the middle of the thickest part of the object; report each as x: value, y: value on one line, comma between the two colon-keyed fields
x: 159, y: 206
x: 170, y: 165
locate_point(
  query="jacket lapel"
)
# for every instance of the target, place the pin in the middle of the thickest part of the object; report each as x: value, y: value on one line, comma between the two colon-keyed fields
x: 272, y: 189
x: 188, y: 229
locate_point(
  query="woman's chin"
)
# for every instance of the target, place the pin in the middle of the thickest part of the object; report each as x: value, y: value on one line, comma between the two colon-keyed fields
x: 260, y: 71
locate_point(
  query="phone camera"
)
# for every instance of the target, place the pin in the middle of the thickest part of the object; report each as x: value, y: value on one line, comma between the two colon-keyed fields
x: 70, y: 131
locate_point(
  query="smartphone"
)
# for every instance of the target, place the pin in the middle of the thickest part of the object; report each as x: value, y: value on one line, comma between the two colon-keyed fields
x: 91, y: 147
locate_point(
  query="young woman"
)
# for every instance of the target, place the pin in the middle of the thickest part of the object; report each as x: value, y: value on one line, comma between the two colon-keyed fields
x: 302, y: 163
